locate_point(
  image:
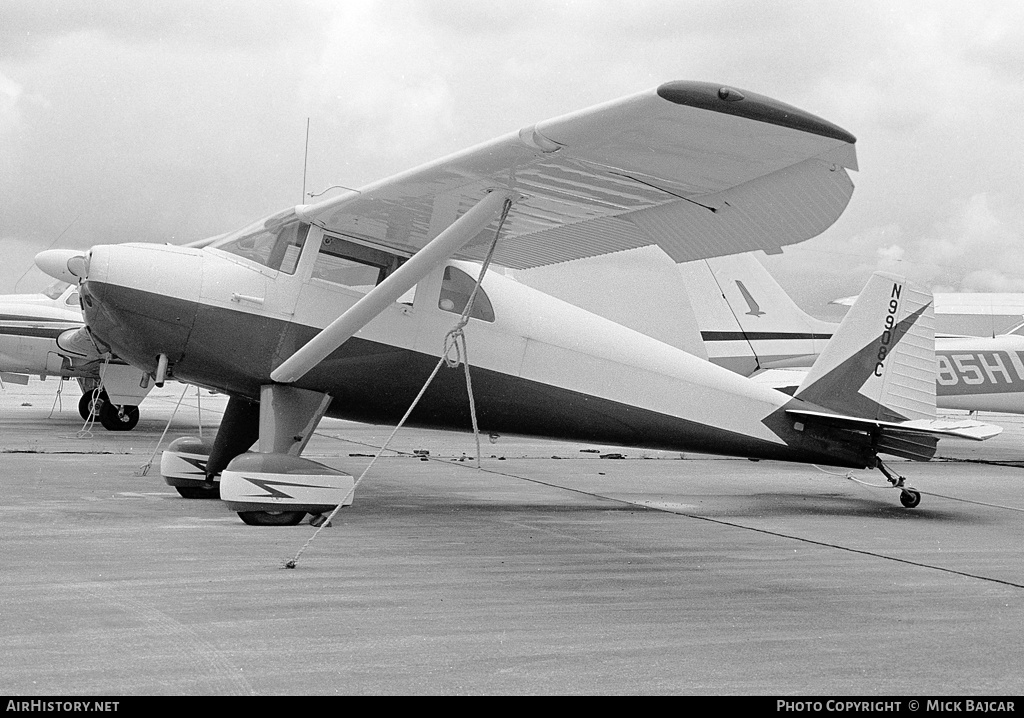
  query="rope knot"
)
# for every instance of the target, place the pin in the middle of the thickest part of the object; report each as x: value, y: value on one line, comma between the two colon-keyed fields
x: 454, y: 341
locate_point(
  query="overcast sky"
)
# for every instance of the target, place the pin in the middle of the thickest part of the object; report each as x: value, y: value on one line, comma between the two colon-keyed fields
x: 123, y: 120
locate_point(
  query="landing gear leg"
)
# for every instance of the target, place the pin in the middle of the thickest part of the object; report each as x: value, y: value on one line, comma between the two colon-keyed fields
x: 276, y: 486
x: 908, y: 497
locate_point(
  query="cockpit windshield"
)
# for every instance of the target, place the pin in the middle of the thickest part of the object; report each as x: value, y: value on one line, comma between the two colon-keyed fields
x: 272, y: 244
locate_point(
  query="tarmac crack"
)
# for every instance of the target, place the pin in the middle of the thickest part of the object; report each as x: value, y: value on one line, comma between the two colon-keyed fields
x: 768, y: 532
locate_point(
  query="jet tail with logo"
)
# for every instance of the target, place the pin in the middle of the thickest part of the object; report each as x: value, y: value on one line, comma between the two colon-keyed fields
x: 747, y: 321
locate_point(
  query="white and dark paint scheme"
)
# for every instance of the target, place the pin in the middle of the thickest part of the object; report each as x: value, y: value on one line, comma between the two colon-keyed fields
x: 341, y: 308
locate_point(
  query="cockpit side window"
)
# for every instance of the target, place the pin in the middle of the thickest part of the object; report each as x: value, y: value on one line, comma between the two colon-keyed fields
x: 275, y: 247
x: 72, y: 300
x: 353, y: 265
x: 455, y: 290
x: 56, y: 289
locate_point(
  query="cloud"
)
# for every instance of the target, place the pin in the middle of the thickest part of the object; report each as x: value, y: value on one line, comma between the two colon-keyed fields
x: 169, y: 121
x: 18, y: 273
x: 979, y: 246
x: 31, y: 27
x: 10, y: 116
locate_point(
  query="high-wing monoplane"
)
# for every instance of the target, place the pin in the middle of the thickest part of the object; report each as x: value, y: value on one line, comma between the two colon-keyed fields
x: 39, y: 336
x: 779, y: 341
x: 343, y: 307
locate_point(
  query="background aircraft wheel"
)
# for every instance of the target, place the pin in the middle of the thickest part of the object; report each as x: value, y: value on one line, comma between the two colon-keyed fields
x: 910, y: 499
x: 272, y: 518
x: 198, y: 492
x: 87, y: 406
x: 115, y: 418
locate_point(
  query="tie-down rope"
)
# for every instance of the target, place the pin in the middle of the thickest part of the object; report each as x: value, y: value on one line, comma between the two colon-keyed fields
x: 86, y: 431
x: 454, y: 341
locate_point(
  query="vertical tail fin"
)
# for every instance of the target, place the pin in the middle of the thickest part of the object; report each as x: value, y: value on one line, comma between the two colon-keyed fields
x: 747, y: 321
x: 880, y: 364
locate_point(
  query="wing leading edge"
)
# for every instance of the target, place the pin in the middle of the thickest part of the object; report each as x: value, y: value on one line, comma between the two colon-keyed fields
x: 698, y: 169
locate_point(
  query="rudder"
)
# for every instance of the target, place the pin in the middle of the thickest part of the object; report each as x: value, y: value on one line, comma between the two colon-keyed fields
x: 880, y: 364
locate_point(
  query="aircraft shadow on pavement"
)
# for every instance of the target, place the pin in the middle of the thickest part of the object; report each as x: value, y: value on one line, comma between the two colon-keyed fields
x: 885, y: 506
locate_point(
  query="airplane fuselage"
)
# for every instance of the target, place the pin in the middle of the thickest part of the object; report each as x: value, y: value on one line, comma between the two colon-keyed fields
x: 539, y: 366
x: 981, y: 373
x: 29, y: 327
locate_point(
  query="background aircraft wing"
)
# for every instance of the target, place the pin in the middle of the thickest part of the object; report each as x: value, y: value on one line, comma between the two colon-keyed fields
x: 698, y: 169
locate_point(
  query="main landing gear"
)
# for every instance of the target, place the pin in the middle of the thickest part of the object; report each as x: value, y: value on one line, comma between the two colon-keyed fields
x: 111, y: 417
x: 271, y: 487
x: 908, y: 497
x: 183, y: 466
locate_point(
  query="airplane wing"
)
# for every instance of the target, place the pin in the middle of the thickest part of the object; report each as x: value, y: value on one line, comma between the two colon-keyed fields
x: 699, y: 169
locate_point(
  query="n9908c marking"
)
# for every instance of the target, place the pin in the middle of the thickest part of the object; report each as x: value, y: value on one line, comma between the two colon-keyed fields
x: 887, y: 332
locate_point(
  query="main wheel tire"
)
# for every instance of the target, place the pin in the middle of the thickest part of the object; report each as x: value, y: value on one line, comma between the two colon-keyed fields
x: 115, y: 418
x: 198, y: 492
x: 910, y: 499
x: 272, y: 518
x: 87, y: 405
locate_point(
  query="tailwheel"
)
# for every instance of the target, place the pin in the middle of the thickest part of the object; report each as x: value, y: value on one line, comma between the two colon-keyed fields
x: 272, y: 518
x: 910, y: 498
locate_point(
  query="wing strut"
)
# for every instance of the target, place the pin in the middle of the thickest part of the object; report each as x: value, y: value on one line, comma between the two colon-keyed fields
x: 439, y: 249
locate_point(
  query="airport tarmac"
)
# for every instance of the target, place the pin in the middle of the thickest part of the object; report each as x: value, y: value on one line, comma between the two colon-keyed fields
x: 552, y: 571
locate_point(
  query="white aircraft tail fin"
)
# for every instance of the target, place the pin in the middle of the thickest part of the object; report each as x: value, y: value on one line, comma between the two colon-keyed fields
x: 880, y: 364
x: 747, y: 321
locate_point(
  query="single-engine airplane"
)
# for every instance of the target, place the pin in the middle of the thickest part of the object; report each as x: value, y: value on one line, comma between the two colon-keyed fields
x: 755, y: 329
x: 39, y: 336
x: 341, y: 308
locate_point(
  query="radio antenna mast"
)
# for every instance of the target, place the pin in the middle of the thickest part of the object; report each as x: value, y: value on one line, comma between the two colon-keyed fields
x: 305, y: 159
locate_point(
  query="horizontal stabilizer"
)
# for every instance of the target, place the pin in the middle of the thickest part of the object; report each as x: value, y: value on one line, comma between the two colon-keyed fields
x: 961, y: 428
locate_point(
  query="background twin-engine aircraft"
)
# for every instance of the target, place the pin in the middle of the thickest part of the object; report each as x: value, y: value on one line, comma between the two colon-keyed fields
x: 750, y: 325
x: 342, y: 307
x: 39, y: 337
